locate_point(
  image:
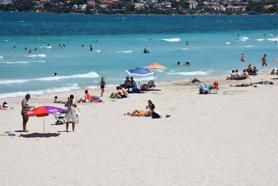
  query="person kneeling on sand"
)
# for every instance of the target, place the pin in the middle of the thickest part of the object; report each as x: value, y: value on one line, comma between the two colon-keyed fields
x: 71, y: 113
x: 150, y: 109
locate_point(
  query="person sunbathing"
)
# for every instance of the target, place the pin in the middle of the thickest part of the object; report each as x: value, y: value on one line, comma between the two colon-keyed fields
x: 150, y: 109
x: 89, y: 98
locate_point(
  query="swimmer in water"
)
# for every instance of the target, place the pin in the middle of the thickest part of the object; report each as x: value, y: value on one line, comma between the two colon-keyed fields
x: 146, y: 51
x: 242, y: 57
x: 30, y: 51
x: 183, y: 64
x: 91, y: 48
x: 186, y: 42
x: 55, y: 74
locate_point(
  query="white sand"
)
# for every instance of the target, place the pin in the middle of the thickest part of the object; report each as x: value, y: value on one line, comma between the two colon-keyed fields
x: 229, y: 138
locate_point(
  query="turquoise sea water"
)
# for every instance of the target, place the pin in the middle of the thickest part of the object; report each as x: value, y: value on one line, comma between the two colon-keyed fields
x: 215, y: 45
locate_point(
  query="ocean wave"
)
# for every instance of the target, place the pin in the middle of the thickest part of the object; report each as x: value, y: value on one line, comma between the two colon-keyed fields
x: 1, y: 57
x: 37, y: 55
x: 260, y: 39
x: 41, y: 92
x: 243, y: 38
x: 48, y: 47
x: 273, y: 39
x: 249, y: 46
x: 54, y: 78
x: 186, y: 48
x: 176, y: 39
x: 98, y: 51
x: 228, y: 43
x: 125, y: 51
x: 22, y: 62
x: 191, y: 73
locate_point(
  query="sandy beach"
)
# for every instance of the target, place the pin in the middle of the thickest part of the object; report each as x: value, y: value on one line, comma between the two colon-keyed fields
x: 228, y: 138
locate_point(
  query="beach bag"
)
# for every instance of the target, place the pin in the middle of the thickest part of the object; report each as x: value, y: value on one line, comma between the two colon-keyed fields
x: 155, y: 115
x: 204, y: 89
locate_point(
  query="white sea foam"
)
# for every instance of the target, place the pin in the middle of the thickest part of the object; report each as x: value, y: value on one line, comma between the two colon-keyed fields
x: 176, y: 39
x: 41, y: 92
x: 192, y: 73
x: 228, y: 43
x: 186, y: 48
x: 48, y: 47
x: 273, y: 39
x: 98, y: 51
x: 54, y: 78
x: 22, y: 62
x: 249, y: 46
x: 125, y: 51
x: 243, y: 38
x: 1, y: 57
x: 37, y: 55
x: 260, y: 39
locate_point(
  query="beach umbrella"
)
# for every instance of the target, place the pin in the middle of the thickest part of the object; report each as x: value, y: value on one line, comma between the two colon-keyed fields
x: 154, y: 67
x: 139, y: 72
x: 43, y: 111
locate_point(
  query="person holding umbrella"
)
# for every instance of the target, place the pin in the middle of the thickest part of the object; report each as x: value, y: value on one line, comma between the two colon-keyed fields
x: 25, y: 107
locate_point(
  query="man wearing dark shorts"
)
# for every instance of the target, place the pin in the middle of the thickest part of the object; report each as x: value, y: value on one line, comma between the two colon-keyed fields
x: 25, y: 107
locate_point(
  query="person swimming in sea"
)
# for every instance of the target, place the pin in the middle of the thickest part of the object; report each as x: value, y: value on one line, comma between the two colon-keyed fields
x: 30, y: 51
x: 242, y: 57
x: 187, y: 63
x: 91, y: 48
x: 55, y: 74
x: 146, y: 51
x: 186, y: 42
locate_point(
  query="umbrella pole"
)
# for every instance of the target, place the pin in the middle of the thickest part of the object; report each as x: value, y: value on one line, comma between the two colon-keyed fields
x: 44, y: 125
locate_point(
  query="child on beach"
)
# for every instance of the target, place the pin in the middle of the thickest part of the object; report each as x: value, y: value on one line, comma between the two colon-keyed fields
x: 102, y: 86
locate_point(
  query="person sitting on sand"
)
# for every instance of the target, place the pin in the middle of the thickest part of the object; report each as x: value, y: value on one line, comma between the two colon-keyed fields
x: 245, y: 74
x: 232, y: 75
x: 88, y: 98
x: 120, y: 93
x: 272, y: 72
x: 127, y: 84
x: 5, y: 106
x: 71, y: 113
x: 56, y: 100
x: 150, y: 109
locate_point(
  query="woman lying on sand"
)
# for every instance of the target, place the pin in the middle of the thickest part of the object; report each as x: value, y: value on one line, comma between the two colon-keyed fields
x: 150, y: 109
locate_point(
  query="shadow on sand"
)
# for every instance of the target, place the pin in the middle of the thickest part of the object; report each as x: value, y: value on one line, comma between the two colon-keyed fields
x: 39, y: 135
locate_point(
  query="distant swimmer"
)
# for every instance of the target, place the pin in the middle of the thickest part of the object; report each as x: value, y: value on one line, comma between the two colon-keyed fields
x: 48, y: 44
x: 60, y: 46
x: 264, y: 62
x: 55, y: 74
x: 91, y: 48
x: 64, y: 45
x: 186, y: 42
x: 146, y: 51
x: 25, y: 49
x: 36, y: 49
x: 82, y: 45
x: 183, y: 64
x: 30, y: 51
x: 242, y: 57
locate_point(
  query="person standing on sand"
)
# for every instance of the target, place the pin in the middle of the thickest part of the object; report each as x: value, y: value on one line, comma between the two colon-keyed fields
x: 102, y: 86
x: 264, y: 63
x: 25, y: 107
x: 70, y: 114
